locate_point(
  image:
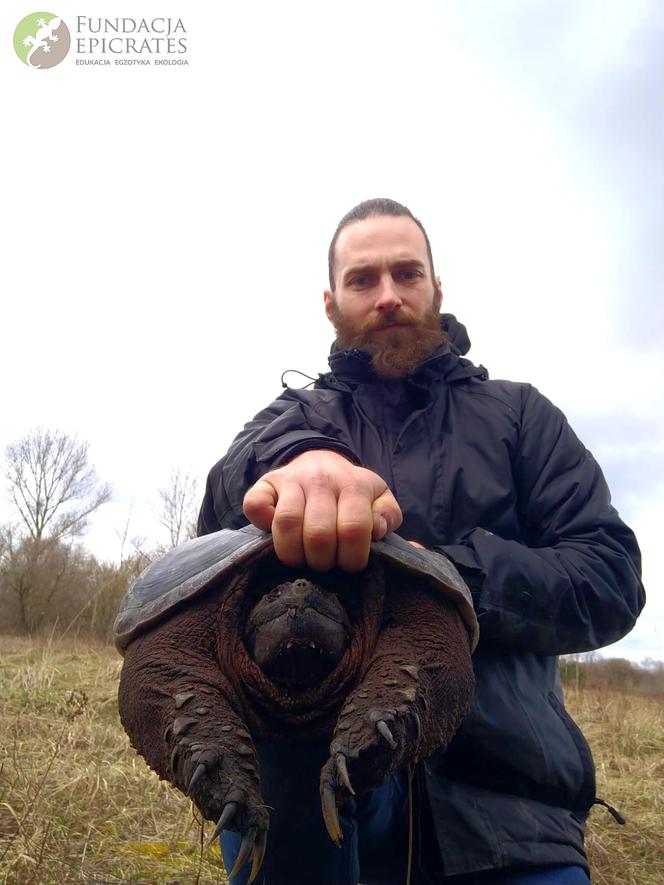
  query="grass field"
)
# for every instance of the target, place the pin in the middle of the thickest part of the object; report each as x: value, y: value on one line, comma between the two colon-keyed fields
x: 78, y: 805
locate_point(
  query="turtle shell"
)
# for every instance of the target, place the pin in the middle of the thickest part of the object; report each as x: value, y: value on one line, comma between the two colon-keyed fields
x: 194, y: 566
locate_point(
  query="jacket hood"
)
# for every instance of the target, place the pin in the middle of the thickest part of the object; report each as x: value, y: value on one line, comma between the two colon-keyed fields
x: 457, y: 334
x: 447, y: 360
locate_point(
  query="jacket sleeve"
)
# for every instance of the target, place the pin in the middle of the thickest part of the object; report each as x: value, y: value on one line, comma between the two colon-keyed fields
x: 289, y: 426
x: 575, y: 584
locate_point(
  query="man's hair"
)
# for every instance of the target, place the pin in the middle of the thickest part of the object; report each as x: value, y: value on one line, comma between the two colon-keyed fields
x: 369, y: 209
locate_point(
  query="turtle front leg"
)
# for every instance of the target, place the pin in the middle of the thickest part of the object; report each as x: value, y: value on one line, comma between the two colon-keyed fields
x: 183, y: 718
x: 410, y: 702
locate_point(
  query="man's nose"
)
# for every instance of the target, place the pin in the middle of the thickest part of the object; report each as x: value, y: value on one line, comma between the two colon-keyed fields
x: 388, y: 297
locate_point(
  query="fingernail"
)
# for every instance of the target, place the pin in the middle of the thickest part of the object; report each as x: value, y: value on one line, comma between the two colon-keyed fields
x: 382, y: 526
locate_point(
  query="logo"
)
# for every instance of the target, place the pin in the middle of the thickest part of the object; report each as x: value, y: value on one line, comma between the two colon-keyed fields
x: 41, y: 40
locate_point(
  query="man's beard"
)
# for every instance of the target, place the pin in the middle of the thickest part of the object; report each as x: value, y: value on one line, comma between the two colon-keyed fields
x: 397, y: 352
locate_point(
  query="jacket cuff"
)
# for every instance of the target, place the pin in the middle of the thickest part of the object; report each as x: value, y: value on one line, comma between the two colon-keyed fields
x: 468, y: 565
x: 270, y: 458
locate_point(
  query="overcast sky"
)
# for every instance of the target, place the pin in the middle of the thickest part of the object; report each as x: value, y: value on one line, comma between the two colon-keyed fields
x: 164, y: 229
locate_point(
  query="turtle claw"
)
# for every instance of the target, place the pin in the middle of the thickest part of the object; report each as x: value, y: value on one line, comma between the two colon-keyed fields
x: 196, y: 777
x: 342, y: 771
x: 377, y: 744
x: 246, y: 849
x: 418, y: 726
x: 335, y: 789
x: 254, y: 838
x: 174, y: 758
x: 258, y: 855
x: 383, y: 728
x: 330, y: 814
x: 226, y: 817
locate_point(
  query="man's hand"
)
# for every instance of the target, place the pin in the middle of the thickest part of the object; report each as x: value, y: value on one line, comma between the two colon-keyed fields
x: 322, y: 510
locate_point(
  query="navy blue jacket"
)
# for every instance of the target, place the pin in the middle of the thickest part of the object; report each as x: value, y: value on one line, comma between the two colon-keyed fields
x: 489, y: 473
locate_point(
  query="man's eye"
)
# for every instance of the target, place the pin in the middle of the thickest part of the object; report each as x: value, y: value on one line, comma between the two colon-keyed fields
x: 409, y: 275
x: 360, y: 282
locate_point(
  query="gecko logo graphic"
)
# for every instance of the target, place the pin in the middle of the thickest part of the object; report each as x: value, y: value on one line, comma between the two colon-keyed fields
x: 41, y: 40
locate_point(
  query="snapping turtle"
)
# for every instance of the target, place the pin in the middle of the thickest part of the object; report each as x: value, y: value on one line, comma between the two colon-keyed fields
x: 223, y: 644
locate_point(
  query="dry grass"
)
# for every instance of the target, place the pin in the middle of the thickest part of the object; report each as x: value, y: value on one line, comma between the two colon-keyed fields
x: 78, y: 805
x: 626, y: 733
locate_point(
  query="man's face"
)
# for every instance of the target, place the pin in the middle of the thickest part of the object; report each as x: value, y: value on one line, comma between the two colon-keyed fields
x: 386, y: 301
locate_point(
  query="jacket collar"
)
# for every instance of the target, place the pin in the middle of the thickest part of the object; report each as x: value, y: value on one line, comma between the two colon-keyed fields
x: 445, y: 363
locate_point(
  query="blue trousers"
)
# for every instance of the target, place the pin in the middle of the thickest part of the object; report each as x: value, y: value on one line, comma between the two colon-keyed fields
x: 374, y: 825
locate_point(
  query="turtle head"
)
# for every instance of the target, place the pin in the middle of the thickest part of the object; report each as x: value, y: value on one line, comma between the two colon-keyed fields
x: 297, y: 633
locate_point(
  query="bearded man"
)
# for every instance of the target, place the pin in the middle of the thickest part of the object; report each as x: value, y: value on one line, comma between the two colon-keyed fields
x: 406, y: 435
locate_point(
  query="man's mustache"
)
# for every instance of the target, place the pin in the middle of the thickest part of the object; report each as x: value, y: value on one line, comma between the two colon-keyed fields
x: 397, y: 318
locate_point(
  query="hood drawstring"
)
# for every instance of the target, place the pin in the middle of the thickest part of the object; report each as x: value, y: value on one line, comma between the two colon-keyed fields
x: 616, y: 815
x: 297, y: 372
x: 409, y: 867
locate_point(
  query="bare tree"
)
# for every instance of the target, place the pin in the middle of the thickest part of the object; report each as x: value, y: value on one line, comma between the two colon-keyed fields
x: 51, y: 484
x: 179, y: 506
x: 37, y: 580
x: 54, y: 490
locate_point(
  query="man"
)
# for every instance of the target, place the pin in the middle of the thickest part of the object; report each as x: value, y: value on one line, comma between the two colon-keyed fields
x: 405, y: 435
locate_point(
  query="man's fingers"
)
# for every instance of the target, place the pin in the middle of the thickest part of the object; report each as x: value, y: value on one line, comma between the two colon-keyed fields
x: 354, y: 528
x: 365, y: 513
x: 323, y: 511
x: 387, y: 515
x: 279, y: 508
x: 288, y: 523
x: 379, y: 527
x: 319, y: 532
x: 259, y: 504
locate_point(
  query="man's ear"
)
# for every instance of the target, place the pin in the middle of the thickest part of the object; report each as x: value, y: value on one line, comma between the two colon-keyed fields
x: 437, y: 293
x: 328, y: 297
